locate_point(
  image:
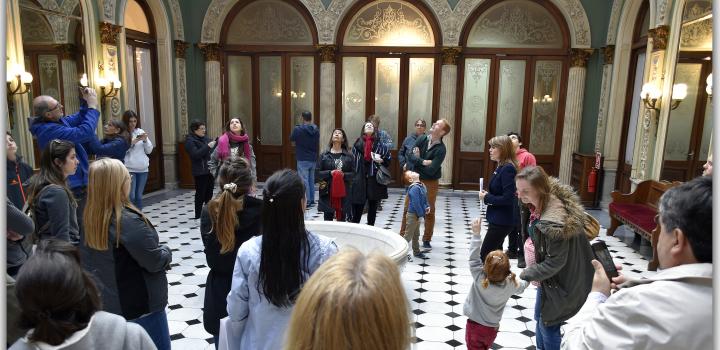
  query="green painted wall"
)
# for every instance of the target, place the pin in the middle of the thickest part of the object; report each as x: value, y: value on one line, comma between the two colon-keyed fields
x: 598, y: 13
x: 193, y: 14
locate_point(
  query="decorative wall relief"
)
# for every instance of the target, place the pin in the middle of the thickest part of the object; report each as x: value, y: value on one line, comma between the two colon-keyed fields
x: 269, y: 22
x: 659, y: 37
x: 697, y: 36
x: 516, y: 23
x: 389, y: 23
x: 475, y: 104
x: 614, y: 20
x: 49, y: 76
x: 177, y: 20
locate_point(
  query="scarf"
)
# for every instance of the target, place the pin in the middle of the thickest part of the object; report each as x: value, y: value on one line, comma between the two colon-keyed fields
x: 224, y: 145
x: 337, y: 193
x: 368, y: 147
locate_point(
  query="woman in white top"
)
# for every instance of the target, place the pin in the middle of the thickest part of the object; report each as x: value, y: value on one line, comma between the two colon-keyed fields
x: 136, y: 158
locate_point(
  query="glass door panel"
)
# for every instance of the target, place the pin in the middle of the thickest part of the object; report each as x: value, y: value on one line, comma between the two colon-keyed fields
x: 49, y: 76
x: 510, y: 96
x: 240, y: 83
x: 475, y: 104
x: 706, y: 132
x: 677, y: 143
x: 146, y: 107
x: 129, y: 83
x: 271, y: 92
x: 353, y: 95
x: 420, y: 93
x: 302, y: 87
x: 387, y: 94
x: 545, y: 107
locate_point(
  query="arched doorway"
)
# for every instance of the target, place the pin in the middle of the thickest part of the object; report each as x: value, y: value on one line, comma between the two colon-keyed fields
x: 636, y: 70
x: 389, y: 65
x: 512, y: 77
x: 271, y: 75
x: 142, y: 82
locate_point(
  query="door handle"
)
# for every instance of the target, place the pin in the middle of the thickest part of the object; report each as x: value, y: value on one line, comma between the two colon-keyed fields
x: 690, y: 155
x: 258, y: 139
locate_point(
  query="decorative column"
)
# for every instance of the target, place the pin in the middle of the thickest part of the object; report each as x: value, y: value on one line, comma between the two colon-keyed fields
x: 109, y: 68
x: 70, y: 77
x: 180, y: 74
x: 213, y: 93
x: 21, y: 103
x: 448, y: 94
x: 610, y: 165
x: 573, y: 110
x: 327, y: 92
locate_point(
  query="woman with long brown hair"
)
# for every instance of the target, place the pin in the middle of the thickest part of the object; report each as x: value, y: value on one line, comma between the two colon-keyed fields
x: 123, y: 252
x: 335, y: 170
x: 230, y: 219
x: 233, y: 143
x: 115, y: 144
x: 500, y: 197
x: 370, y: 154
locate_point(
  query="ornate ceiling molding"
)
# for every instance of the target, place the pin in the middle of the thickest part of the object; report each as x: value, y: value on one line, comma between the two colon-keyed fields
x: 109, y: 33
x: 579, y: 57
x: 180, y: 47
x: 450, y: 55
x: 659, y: 37
x: 179, y: 28
x: 327, y: 53
x: 615, y: 15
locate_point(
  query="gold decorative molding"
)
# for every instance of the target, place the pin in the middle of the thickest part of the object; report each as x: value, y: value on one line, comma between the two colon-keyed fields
x: 180, y: 47
x: 327, y: 53
x: 450, y: 55
x: 211, y: 51
x: 659, y: 37
x: 609, y: 54
x: 109, y: 33
x: 67, y: 51
x: 579, y: 57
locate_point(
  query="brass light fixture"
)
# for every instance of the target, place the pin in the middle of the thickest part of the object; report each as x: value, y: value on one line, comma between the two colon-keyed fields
x: 109, y: 88
x: 18, y: 83
x: 651, y: 94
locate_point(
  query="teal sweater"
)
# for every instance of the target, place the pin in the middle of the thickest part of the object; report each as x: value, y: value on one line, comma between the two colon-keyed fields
x: 436, y: 154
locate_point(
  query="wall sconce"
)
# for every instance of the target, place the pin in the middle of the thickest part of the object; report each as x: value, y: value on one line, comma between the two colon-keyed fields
x: 679, y: 93
x: 708, y: 86
x: 650, y: 95
x: 108, y: 89
x: 300, y: 94
x: 18, y: 83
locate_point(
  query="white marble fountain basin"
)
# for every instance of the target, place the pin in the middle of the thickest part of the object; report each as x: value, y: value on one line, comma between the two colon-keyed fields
x: 363, y: 237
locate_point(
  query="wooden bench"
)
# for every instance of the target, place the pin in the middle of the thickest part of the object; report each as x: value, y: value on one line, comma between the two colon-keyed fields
x: 637, y: 210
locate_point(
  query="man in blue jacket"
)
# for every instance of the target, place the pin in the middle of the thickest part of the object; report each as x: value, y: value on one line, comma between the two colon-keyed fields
x: 306, y: 137
x: 50, y: 123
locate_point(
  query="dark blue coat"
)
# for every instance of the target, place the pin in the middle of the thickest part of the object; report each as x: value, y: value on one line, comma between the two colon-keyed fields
x: 502, y: 196
x: 306, y: 138
x: 114, y: 147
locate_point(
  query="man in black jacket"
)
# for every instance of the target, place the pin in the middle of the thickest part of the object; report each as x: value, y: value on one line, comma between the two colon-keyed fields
x: 199, y: 148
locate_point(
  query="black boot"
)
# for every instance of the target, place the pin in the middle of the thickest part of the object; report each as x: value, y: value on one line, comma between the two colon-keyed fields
x: 521, y: 261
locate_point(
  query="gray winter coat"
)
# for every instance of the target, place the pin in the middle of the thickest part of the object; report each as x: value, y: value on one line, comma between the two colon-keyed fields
x: 563, y: 256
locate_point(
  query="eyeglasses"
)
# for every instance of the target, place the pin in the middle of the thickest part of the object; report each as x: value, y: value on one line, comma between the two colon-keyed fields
x: 420, y: 125
x: 58, y: 105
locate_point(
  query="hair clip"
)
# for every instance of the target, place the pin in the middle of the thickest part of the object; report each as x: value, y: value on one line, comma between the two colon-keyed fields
x: 230, y: 186
x: 271, y: 199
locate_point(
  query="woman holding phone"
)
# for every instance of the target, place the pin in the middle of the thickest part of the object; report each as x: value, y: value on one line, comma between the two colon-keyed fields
x: 562, y: 252
x: 136, y: 159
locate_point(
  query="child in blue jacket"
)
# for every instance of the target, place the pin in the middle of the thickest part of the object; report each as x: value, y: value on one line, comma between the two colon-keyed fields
x: 417, y: 208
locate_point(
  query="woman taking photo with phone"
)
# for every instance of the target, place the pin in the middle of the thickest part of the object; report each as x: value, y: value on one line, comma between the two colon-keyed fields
x: 136, y: 159
x: 562, y: 252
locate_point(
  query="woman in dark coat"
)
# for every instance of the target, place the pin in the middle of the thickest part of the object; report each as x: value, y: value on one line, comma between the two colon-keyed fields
x: 115, y: 144
x: 369, y: 154
x: 199, y: 147
x: 337, y: 157
x: 230, y: 219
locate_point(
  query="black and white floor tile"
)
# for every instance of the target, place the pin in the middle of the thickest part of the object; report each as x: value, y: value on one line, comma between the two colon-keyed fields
x: 436, y: 287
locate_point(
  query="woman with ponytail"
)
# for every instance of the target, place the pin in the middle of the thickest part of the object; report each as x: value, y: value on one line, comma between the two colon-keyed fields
x: 61, y: 306
x: 271, y: 269
x: 233, y: 144
x: 230, y: 219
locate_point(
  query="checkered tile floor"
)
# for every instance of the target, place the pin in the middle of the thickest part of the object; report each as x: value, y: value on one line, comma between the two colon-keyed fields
x: 436, y: 287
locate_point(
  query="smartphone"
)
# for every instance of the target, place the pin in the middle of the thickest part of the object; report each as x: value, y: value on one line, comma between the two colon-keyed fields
x: 482, y: 180
x: 602, y: 254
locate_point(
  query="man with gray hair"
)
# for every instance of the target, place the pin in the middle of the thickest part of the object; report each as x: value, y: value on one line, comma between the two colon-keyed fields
x: 670, y: 310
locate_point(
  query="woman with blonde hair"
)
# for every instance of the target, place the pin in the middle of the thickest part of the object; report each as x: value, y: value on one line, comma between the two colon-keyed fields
x: 122, y: 251
x: 230, y: 219
x: 500, y: 197
x: 352, y: 301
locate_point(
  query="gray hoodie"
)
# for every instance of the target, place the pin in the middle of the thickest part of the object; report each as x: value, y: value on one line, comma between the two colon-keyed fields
x: 105, y: 331
x: 485, y: 305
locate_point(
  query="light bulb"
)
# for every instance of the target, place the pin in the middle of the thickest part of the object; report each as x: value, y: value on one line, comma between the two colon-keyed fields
x: 83, y: 80
x: 26, y: 78
x: 679, y: 91
x: 117, y: 84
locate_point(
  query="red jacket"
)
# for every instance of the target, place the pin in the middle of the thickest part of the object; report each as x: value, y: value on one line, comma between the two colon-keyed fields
x: 524, y: 158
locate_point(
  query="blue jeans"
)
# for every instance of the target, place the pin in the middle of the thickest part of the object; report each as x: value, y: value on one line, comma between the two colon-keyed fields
x: 137, y: 186
x: 156, y: 325
x: 546, y: 337
x: 306, y: 170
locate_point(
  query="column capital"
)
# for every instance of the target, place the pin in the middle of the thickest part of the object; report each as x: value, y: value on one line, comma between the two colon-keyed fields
x: 180, y: 47
x: 450, y: 55
x: 109, y: 33
x: 67, y: 51
x: 609, y: 54
x: 327, y: 53
x: 659, y: 37
x: 211, y: 51
x: 579, y: 57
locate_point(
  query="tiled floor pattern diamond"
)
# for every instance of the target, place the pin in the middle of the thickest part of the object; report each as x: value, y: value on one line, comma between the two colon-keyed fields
x: 436, y: 287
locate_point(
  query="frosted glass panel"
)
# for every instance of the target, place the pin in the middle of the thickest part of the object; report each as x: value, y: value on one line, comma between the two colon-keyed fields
x: 303, y: 88
x: 510, y: 99
x: 389, y: 23
x: 49, y: 75
x: 545, y: 106
x: 634, y: 109
x: 240, y: 100
x: 475, y: 104
x: 272, y: 22
x: 679, y: 129
x: 271, y: 101
x: 516, y: 23
x: 129, y: 84
x: 707, y: 131
x: 353, y: 95
x: 146, y: 105
x: 420, y: 92
x: 387, y: 94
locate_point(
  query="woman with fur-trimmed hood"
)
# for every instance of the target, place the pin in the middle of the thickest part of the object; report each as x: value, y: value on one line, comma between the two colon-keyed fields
x: 562, y: 252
